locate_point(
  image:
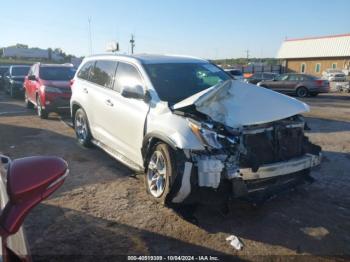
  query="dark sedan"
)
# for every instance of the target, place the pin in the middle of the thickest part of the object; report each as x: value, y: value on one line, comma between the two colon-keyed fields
x: 258, y: 77
x: 14, y: 79
x: 3, y: 70
x: 300, y: 85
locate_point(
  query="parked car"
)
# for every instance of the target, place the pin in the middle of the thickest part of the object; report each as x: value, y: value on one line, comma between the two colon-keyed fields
x: 14, y: 79
x: 24, y: 183
x: 237, y: 74
x: 48, y: 87
x: 334, y: 75
x: 190, y: 127
x: 3, y: 70
x: 258, y: 77
x: 301, y: 85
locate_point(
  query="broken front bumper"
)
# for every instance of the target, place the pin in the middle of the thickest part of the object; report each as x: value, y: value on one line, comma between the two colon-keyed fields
x: 271, y: 177
x: 282, y: 168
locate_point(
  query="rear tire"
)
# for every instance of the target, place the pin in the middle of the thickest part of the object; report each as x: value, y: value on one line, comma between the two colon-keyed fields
x: 42, y: 113
x: 160, y: 172
x: 82, y: 129
x: 302, y: 92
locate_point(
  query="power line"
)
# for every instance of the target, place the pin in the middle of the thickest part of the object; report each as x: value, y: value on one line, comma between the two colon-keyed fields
x: 90, y: 36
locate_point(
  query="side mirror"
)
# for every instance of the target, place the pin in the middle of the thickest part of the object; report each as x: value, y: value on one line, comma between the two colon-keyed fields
x: 135, y: 92
x: 32, y: 78
x: 29, y: 181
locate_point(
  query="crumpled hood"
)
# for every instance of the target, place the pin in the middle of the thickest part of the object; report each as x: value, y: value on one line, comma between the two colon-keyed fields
x: 237, y: 104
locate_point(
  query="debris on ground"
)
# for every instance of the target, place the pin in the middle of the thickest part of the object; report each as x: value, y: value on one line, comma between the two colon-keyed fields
x: 235, y: 242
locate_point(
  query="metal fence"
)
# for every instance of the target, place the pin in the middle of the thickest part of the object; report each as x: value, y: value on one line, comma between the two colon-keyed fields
x: 251, y: 69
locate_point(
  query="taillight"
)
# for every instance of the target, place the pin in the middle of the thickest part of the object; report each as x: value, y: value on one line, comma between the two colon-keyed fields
x: 319, y: 82
x: 71, y: 82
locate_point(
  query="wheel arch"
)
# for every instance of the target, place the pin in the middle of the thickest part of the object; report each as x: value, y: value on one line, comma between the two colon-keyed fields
x: 74, y: 108
x: 152, y: 139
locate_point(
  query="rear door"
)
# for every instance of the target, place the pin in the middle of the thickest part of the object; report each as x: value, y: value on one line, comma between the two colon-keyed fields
x: 98, y: 92
x: 287, y: 86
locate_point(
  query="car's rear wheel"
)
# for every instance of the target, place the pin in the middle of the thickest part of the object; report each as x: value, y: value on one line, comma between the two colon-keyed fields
x: 26, y: 101
x: 160, y: 172
x: 81, y: 126
x: 42, y: 113
x: 302, y: 92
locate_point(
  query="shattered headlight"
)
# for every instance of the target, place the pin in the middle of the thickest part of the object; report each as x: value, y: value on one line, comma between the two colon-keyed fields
x: 206, y: 136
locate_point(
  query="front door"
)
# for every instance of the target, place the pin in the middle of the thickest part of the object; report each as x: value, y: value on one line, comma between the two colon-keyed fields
x: 127, y: 116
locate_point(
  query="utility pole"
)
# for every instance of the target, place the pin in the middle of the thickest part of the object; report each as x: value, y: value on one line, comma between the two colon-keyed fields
x: 247, y: 51
x: 90, y: 36
x: 132, y: 43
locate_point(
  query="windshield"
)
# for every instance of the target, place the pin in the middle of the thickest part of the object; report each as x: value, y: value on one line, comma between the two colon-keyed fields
x: 176, y: 81
x: 55, y: 73
x: 20, y: 71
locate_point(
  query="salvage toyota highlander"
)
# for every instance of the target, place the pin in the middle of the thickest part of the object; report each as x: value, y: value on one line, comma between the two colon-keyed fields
x: 189, y: 127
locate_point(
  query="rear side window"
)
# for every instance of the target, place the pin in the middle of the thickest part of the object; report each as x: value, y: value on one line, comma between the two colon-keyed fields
x: 103, y: 73
x: 127, y: 75
x: 85, y: 70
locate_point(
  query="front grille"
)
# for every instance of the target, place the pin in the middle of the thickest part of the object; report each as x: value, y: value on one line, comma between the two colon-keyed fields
x: 279, y: 144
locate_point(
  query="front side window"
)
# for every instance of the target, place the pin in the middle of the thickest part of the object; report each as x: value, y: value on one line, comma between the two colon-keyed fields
x: 176, y: 81
x: 56, y: 73
x: 318, y: 68
x: 84, y: 72
x: 20, y: 70
x: 282, y: 77
x: 127, y: 76
x: 303, y: 68
x: 103, y: 73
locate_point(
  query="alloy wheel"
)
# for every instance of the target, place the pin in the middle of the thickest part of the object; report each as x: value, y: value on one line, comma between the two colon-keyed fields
x: 157, y: 174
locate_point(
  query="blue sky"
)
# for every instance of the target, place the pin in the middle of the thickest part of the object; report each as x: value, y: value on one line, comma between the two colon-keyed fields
x: 204, y: 28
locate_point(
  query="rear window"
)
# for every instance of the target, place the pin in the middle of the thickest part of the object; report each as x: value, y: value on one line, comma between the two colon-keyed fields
x: 20, y: 71
x: 84, y: 72
x: 54, y: 73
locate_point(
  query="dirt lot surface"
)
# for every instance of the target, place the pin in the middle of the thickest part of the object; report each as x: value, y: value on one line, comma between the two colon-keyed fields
x: 102, y: 210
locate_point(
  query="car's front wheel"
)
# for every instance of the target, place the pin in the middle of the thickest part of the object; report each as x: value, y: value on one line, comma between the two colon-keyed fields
x: 82, y: 129
x: 26, y: 101
x: 42, y: 113
x: 160, y: 172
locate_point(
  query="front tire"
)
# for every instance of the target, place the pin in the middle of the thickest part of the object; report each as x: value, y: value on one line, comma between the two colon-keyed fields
x: 302, y: 92
x: 160, y: 172
x: 42, y: 113
x: 82, y: 129
x: 28, y: 104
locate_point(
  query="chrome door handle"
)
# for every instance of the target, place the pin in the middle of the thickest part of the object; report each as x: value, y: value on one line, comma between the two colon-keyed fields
x: 85, y: 90
x: 109, y: 102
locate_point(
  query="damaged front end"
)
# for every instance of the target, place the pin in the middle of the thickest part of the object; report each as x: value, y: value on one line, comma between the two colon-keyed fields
x: 246, y: 160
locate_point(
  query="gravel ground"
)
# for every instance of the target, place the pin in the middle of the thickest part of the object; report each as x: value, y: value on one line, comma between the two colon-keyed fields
x: 102, y: 210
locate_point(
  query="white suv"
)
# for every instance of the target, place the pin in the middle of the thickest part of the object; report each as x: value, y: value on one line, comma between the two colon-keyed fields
x: 189, y: 127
